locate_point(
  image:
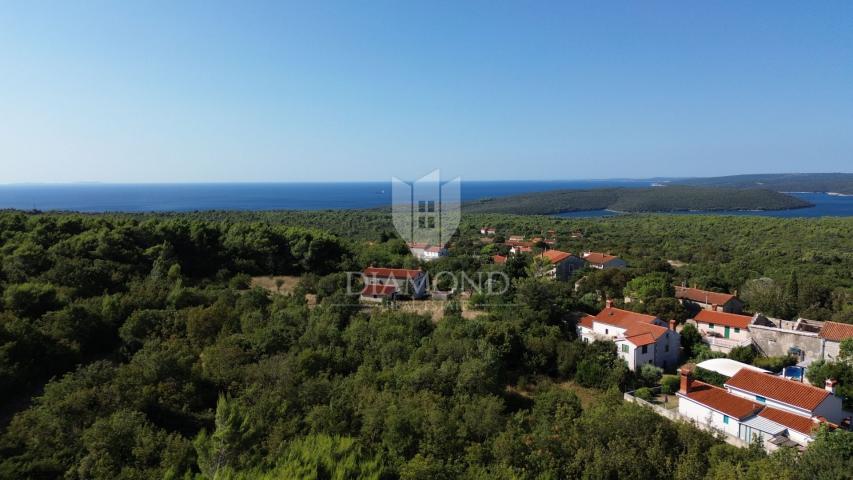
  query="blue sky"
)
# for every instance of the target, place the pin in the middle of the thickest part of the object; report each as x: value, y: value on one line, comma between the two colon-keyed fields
x: 274, y: 91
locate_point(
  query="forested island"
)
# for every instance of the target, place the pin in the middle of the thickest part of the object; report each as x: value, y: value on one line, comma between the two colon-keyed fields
x: 223, y: 345
x: 671, y: 198
x: 781, y: 182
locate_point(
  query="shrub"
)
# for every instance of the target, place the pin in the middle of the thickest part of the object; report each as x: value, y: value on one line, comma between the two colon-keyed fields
x: 774, y: 364
x: 670, y: 384
x: 743, y: 354
x: 643, y: 394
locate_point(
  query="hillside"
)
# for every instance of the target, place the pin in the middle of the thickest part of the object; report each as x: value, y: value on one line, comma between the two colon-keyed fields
x: 782, y: 182
x: 657, y: 199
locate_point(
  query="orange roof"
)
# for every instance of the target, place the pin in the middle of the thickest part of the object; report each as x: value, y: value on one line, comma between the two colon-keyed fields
x: 777, y: 388
x: 835, y: 331
x: 397, y: 273
x: 791, y: 420
x: 498, y: 259
x: 555, y: 256
x: 722, y: 318
x: 598, y: 258
x: 622, y: 318
x: 586, y: 321
x: 639, y: 328
x: 703, y: 296
x: 720, y: 400
x: 383, y: 290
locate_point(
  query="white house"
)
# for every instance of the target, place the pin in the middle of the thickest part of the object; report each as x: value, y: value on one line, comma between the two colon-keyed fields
x: 603, y: 261
x: 723, y: 331
x: 426, y: 252
x: 639, y: 338
x: 487, y: 231
x: 788, y: 395
x: 747, y: 417
x: 414, y: 282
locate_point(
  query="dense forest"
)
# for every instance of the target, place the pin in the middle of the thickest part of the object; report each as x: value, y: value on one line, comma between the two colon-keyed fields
x: 671, y: 198
x: 133, y: 347
x: 781, y: 182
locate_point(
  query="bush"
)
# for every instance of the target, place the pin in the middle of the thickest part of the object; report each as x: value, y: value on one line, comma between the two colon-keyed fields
x: 742, y: 354
x: 708, y: 376
x: 774, y: 364
x: 669, y: 384
x: 650, y: 374
x: 644, y: 394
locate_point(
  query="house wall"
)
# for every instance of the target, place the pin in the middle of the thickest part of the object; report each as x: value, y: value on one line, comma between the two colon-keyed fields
x: 720, y: 330
x: 668, y: 359
x: 776, y: 341
x: 607, y: 330
x: 831, y: 350
x: 630, y: 356
x: 705, y: 416
x: 831, y: 409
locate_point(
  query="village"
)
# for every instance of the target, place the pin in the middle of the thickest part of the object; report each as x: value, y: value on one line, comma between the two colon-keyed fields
x: 741, y: 402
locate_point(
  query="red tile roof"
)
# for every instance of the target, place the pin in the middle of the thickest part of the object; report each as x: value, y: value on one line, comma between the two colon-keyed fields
x: 598, y: 258
x: 777, y: 388
x: 722, y: 401
x: 397, y: 273
x: 722, y: 318
x: 498, y: 259
x: 586, y: 321
x: 555, y: 256
x: 380, y: 290
x: 702, y: 296
x: 835, y: 331
x: 639, y: 328
x: 793, y: 421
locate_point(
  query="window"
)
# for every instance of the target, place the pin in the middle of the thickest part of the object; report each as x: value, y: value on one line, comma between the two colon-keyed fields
x: 422, y: 206
x: 624, y: 348
x: 760, y: 399
x: 431, y: 206
x: 430, y: 221
x: 666, y: 348
x: 606, y: 331
x: 710, y: 326
x: 726, y: 419
x: 737, y: 330
x: 645, y: 348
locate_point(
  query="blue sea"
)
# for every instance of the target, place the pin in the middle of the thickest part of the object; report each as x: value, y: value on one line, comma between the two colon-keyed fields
x: 97, y: 197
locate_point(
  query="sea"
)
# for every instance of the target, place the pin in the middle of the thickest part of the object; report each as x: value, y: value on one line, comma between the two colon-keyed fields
x: 102, y: 197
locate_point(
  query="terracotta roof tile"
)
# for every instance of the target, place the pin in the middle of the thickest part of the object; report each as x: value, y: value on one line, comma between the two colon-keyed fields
x: 586, y: 321
x: 835, y: 331
x: 498, y: 259
x: 722, y: 401
x: 722, y: 318
x: 777, y: 388
x: 598, y: 258
x: 703, y: 296
x: 397, y: 273
x: 555, y: 256
x: 791, y: 420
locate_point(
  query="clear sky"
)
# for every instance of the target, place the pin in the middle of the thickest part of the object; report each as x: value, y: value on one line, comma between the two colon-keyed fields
x: 170, y: 91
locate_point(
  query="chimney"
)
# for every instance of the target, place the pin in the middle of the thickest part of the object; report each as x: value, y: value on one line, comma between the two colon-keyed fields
x: 829, y: 385
x: 715, y: 307
x: 672, y: 325
x: 608, y: 303
x: 686, y: 380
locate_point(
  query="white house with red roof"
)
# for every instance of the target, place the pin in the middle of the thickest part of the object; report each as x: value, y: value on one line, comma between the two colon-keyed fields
x: 563, y: 264
x: 426, y: 252
x: 788, y: 395
x: 696, y: 299
x: 723, y: 331
x: 487, y: 231
x: 603, y: 261
x: 639, y: 338
x: 378, y: 283
x: 759, y: 406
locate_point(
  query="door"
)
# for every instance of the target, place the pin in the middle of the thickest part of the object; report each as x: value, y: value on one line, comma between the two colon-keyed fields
x: 726, y: 332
